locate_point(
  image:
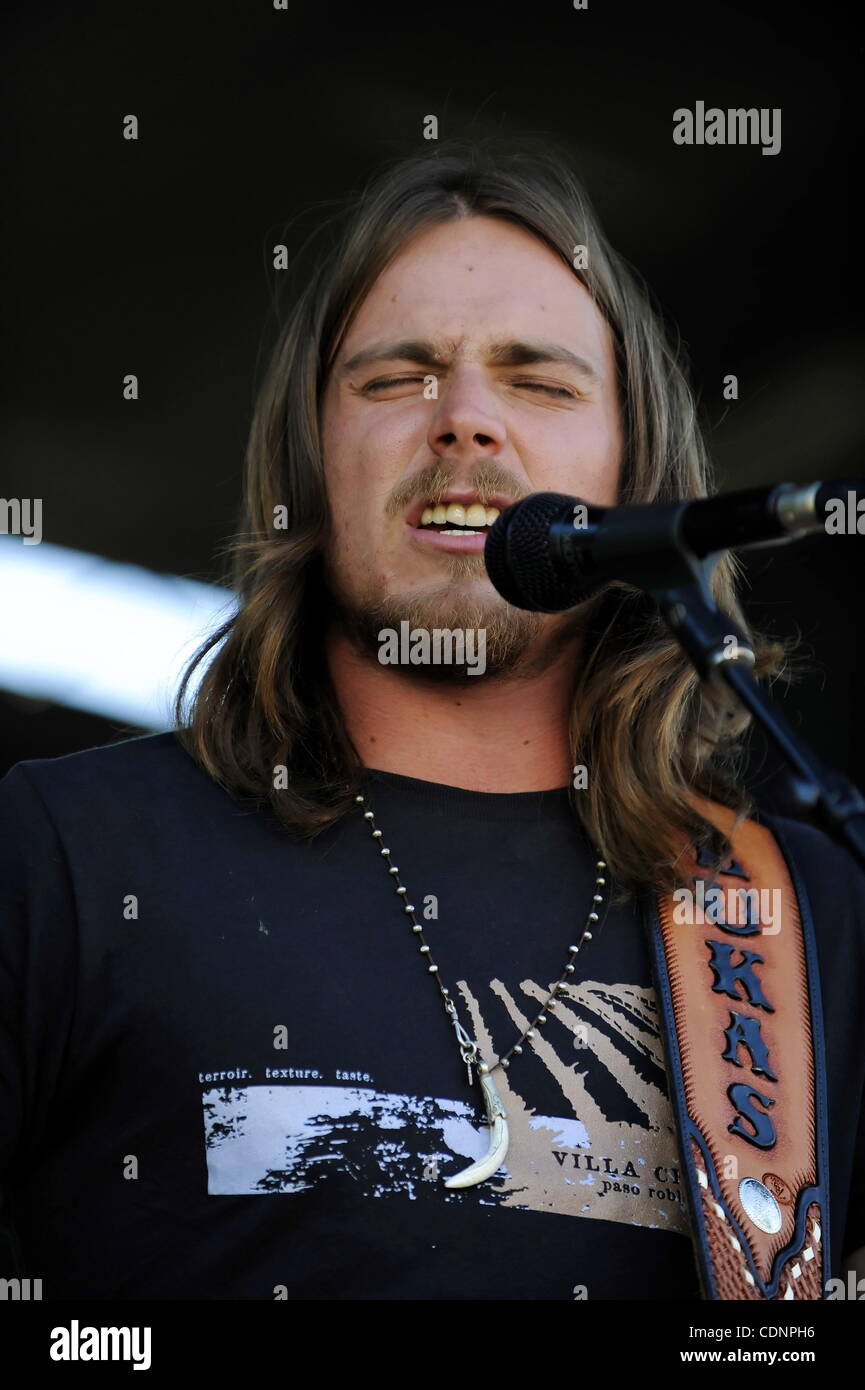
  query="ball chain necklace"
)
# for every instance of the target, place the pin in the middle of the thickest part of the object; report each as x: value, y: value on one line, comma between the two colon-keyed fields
x: 496, y: 1115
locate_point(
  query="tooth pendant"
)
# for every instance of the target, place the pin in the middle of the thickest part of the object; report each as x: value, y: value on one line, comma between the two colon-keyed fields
x: 498, y: 1145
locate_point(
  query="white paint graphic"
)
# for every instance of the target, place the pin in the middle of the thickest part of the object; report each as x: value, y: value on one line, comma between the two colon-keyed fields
x: 289, y: 1138
x: 283, y: 1138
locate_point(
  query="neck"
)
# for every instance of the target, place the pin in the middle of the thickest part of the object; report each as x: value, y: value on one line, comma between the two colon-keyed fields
x: 508, y: 734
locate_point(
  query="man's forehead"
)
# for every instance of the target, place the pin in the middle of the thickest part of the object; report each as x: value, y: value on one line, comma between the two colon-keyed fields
x: 484, y: 265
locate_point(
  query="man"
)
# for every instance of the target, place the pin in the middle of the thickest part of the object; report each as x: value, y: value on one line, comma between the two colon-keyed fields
x: 254, y: 974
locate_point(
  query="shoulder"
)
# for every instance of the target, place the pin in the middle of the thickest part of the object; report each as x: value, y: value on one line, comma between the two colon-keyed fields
x: 825, y: 863
x: 831, y: 881
x: 103, y: 783
x: 146, y: 756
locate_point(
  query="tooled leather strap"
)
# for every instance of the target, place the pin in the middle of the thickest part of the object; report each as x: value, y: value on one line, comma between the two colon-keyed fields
x: 740, y: 1004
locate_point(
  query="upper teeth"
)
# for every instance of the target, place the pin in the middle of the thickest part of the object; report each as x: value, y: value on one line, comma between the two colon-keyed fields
x: 455, y: 515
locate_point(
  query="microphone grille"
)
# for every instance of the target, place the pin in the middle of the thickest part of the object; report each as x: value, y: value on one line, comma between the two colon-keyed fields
x: 517, y: 554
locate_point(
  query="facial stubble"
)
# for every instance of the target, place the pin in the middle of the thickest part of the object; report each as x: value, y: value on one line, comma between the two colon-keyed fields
x: 518, y: 644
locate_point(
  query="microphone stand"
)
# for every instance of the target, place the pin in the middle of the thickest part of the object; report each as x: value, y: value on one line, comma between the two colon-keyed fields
x: 672, y: 574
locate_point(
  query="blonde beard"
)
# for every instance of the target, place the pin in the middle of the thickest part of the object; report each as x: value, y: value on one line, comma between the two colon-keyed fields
x: 517, y: 644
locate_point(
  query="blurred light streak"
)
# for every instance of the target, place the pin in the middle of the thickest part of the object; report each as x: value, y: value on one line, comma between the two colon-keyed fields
x: 100, y: 636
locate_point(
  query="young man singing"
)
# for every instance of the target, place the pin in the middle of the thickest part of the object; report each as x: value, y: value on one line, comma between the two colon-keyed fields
x: 354, y: 986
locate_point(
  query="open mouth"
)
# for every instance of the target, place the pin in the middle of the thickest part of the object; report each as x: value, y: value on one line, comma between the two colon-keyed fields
x: 454, y: 519
x: 458, y: 522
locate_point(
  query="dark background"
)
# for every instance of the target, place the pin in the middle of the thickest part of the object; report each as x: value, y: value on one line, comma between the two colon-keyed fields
x: 154, y: 256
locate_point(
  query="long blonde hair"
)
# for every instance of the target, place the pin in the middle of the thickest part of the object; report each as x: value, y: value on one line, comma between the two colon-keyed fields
x: 648, y: 731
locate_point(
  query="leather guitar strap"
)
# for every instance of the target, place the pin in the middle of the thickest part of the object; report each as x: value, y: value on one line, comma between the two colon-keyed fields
x: 736, y: 975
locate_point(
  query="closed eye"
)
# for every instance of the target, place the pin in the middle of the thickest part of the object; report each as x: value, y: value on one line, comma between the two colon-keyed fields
x: 542, y: 386
x: 383, y: 382
x: 390, y: 381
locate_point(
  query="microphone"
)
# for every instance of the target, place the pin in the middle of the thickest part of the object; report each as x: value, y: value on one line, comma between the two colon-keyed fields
x: 549, y: 551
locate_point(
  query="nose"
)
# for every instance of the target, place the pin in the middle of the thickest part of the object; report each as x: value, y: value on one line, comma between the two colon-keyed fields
x: 467, y: 420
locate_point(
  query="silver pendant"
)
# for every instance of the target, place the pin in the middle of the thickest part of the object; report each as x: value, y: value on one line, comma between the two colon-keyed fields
x: 498, y: 1147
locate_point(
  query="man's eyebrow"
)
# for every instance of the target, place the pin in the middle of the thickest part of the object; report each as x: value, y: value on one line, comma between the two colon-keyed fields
x: 417, y: 350
x: 512, y: 354
x: 538, y: 350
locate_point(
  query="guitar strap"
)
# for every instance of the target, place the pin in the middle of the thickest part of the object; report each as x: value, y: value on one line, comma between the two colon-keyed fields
x: 736, y: 976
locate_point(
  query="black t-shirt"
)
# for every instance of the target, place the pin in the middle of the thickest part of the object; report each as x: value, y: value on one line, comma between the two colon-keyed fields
x: 226, y: 1072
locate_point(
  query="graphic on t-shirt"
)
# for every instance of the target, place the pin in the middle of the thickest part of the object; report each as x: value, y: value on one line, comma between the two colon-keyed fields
x: 288, y: 1137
